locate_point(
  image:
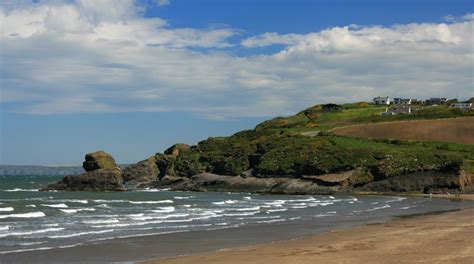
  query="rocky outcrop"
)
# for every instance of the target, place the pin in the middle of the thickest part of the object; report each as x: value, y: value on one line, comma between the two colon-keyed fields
x: 98, y: 160
x: 426, y: 182
x: 97, y: 180
x: 142, y: 172
x: 102, y: 175
x: 217, y: 183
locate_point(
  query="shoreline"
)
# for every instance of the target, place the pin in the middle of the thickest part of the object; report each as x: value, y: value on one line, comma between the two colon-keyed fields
x: 150, y: 248
x: 405, y: 239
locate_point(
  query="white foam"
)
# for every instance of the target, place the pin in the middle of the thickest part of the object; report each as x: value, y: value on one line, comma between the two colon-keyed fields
x: 166, y: 209
x: 270, y: 221
x: 4, y: 228
x: 276, y: 203
x: 152, y: 190
x: 106, y: 221
x: 242, y: 214
x: 72, y: 211
x: 75, y: 201
x: 184, y: 197
x: 25, y: 250
x: 186, y: 205
x: 47, y: 230
x: 378, y: 208
x: 25, y: 215
x: 21, y: 190
x: 31, y: 205
x: 31, y: 243
x: 247, y: 198
x: 61, y: 205
x: 103, y: 206
x: 277, y: 210
x: 256, y: 208
x: 150, y: 202
x: 6, y: 209
x: 144, y: 218
x: 82, y: 234
x: 109, y: 201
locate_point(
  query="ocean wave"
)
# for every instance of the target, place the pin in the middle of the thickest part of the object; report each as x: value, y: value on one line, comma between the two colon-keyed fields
x: 255, y: 208
x: 106, y: 221
x: 73, y: 201
x: 32, y: 243
x: 276, y: 203
x: 31, y: 205
x: 6, y: 209
x: 82, y: 234
x: 240, y: 214
x: 166, y: 209
x: 144, y: 218
x: 61, y: 205
x: 72, y: 211
x: 21, y: 190
x: 109, y: 201
x: 184, y: 197
x: 4, y: 228
x: 47, y: 230
x: 103, y: 206
x: 152, y: 190
x: 270, y: 221
x: 25, y: 215
x: 151, y: 202
x: 378, y: 208
x: 247, y: 198
x: 25, y: 250
x: 277, y: 210
x: 225, y: 202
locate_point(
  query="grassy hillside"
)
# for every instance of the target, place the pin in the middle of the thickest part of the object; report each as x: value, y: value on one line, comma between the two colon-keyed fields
x: 277, y: 148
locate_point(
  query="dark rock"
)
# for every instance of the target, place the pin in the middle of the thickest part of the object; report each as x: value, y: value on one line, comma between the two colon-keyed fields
x: 212, y: 182
x: 99, y: 160
x: 428, y: 181
x: 97, y: 180
x: 142, y: 172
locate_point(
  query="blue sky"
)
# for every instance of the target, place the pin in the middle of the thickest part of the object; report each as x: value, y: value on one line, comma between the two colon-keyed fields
x: 132, y: 78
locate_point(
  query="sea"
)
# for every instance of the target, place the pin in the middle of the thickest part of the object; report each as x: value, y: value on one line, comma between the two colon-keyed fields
x: 32, y: 220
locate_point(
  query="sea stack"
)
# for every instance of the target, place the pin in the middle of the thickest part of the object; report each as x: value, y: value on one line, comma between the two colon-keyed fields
x: 102, y: 174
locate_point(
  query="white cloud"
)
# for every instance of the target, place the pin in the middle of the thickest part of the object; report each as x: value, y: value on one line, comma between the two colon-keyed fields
x: 162, y: 2
x: 77, y: 57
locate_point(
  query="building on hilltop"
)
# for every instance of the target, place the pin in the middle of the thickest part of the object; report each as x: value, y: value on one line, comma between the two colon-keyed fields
x: 402, y: 101
x: 436, y: 101
x: 381, y: 100
x: 331, y: 108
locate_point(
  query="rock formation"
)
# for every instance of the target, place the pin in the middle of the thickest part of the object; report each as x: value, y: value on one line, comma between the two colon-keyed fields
x: 102, y: 174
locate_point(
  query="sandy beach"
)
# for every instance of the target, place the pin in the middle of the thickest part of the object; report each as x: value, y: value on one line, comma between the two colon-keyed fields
x: 435, y: 238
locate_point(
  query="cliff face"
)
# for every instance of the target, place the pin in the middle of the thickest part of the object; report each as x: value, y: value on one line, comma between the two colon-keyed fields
x: 280, y: 156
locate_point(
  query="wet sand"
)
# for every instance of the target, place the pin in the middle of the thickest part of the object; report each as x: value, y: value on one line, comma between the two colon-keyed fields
x: 436, y: 238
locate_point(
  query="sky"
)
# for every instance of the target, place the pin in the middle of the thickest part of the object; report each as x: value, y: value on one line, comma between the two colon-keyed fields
x: 134, y: 77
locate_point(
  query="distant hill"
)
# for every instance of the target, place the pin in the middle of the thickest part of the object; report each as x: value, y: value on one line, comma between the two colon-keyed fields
x: 13, y: 170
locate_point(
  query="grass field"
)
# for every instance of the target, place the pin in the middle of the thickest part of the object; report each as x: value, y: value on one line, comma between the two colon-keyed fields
x: 456, y: 130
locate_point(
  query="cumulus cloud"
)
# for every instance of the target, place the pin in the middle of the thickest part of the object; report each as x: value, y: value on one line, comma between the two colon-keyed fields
x: 104, y: 56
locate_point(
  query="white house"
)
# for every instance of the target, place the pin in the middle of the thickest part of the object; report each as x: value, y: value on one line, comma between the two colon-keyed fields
x: 402, y: 101
x: 462, y: 105
x: 382, y: 100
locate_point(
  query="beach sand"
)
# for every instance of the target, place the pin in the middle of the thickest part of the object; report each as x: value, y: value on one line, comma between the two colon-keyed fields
x: 436, y: 238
